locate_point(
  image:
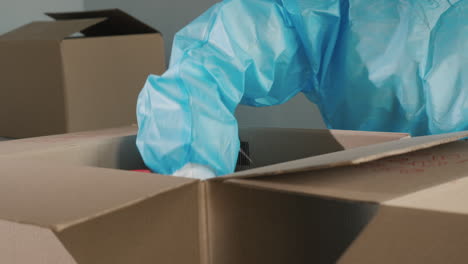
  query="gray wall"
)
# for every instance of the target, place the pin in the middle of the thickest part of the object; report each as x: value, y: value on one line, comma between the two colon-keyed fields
x: 298, y: 112
x: 171, y: 15
x: 168, y: 16
x: 14, y: 13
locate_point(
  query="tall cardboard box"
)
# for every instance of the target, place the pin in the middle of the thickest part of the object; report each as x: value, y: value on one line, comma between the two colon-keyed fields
x: 318, y: 197
x: 82, y: 71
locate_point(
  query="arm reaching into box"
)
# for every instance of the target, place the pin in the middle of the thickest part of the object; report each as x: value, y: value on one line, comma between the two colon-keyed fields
x: 379, y: 65
x: 241, y: 50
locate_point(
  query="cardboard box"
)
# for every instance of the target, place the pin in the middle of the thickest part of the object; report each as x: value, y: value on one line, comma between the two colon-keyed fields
x: 54, y: 81
x: 372, y: 198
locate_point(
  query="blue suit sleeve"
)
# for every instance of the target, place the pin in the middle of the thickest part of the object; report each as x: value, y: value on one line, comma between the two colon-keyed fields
x: 239, y: 51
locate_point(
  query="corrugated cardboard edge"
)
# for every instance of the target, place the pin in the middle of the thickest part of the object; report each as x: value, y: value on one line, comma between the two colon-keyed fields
x: 65, y: 89
x: 369, y: 133
x: 62, y: 29
x: 356, y: 156
x: 204, y: 223
x: 53, y: 142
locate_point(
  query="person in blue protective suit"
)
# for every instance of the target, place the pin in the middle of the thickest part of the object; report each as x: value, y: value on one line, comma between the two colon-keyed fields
x: 379, y: 65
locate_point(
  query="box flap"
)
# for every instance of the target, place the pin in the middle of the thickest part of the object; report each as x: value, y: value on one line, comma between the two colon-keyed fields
x: 266, y: 146
x: 161, y: 229
x: 38, y: 144
x: 409, y: 176
x: 397, y: 235
x: 65, y: 195
x: 117, y: 23
x: 351, y: 156
x: 450, y: 197
x: 50, y: 30
x: 20, y: 243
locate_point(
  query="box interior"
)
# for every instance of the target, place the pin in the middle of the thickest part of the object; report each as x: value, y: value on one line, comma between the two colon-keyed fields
x: 266, y: 146
x: 116, y: 22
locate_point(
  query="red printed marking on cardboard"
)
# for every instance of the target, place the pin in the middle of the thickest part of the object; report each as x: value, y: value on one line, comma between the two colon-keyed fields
x: 413, y: 163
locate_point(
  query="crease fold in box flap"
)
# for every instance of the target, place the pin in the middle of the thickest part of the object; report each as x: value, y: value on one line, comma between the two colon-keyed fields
x: 85, y: 193
x: 51, y: 30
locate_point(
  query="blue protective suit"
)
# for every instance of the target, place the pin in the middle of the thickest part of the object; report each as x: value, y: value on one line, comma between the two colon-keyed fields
x: 381, y: 65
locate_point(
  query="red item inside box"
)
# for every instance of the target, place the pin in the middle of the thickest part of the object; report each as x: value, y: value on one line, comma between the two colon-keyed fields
x: 145, y: 171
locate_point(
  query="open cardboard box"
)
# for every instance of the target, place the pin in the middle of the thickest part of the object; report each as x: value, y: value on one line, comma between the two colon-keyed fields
x: 374, y: 198
x: 82, y: 71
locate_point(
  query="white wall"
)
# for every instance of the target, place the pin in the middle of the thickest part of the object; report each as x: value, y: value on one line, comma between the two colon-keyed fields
x: 14, y: 13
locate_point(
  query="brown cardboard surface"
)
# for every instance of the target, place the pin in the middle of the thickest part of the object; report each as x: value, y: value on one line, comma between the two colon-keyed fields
x: 253, y: 226
x: 450, y: 197
x: 83, y: 193
x: 117, y: 153
x: 352, y: 156
x: 65, y: 141
x: 204, y: 240
x: 100, y: 88
x: 363, y: 211
x: 28, y: 80
x: 21, y: 243
x: 352, y: 139
x: 49, y: 30
x: 162, y: 229
x: 52, y: 83
x: 96, y: 215
x: 413, y: 236
x: 377, y: 181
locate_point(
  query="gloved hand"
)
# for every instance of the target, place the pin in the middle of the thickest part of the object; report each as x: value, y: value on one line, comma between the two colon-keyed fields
x: 195, y: 171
